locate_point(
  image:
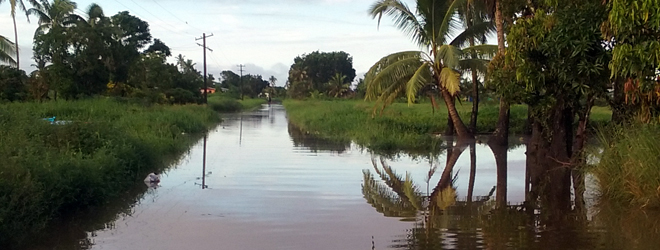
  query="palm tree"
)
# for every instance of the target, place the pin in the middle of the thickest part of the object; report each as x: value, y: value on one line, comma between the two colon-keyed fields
x: 13, y: 4
x: 7, y: 50
x: 57, y: 14
x: 272, y: 81
x: 337, y: 85
x: 473, y: 13
x: 439, y: 62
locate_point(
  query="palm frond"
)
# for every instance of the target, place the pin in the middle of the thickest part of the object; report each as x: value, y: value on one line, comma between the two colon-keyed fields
x: 403, y: 17
x: 421, y: 78
x: 383, y: 199
x: 450, y: 80
x: 483, y: 51
x: 412, y: 192
x: 386, y: 79
x: 7, y: 51
x: 41, y: 14
x: 450, y: 21
x: 477, y: 65
x: 449, y: 56
x: 476, y: 32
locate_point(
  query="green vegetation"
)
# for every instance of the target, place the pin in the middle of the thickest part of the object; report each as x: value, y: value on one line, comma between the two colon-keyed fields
x: 320, y: 74
x: 629, y: 163
x: 224, y: 103
x: 94, y: 151
x: 400, y: 126
x: 445, y: 55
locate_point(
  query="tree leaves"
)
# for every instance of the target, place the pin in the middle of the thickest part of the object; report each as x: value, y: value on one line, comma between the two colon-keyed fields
x: 7, y: 51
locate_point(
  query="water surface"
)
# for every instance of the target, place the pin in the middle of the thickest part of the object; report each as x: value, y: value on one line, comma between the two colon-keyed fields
x: 267, y: 185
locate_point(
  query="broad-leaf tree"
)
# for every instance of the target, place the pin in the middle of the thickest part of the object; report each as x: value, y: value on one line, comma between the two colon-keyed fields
x: 431, y: 25
x: 311, y: 72
x: 556, y: 64
x: 633, y: 28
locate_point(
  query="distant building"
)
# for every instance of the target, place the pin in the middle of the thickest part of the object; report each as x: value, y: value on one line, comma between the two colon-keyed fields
x: 208, y: 90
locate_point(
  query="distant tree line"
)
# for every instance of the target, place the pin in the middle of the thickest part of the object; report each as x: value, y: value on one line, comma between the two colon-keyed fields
x: 321, y: 74
x: 80, y: 57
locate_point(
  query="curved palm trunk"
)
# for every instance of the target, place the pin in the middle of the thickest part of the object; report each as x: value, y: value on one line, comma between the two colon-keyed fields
x: 459, y: 126
x: 452, y: 158
x: 13, y: 17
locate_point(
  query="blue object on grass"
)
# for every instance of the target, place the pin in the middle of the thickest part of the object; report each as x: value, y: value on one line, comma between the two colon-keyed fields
x: 51, y: 120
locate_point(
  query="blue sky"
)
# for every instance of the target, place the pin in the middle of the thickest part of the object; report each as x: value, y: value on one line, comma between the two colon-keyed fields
x: 263, y: 35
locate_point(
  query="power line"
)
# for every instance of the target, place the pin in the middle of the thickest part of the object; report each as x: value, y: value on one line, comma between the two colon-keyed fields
x: 151, y: 13
x: 175, y: 15
x: 135, y: 13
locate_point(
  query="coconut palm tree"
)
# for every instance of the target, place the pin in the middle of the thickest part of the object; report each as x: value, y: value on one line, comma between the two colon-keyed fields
x: 337, y: 85
x: 272, y: 80
x: 473, y: 13
x: 13, y: 4
x: 431, y: 25
x: 52, y: 15
x: 7, y: 51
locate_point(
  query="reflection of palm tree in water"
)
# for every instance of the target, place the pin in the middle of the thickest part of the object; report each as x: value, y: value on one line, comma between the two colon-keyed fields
x: 432, y: 211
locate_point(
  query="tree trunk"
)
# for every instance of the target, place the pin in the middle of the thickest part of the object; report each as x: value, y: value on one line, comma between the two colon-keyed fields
x: 459, y: 126
x: 528, y: 123
x: 577, y: 159
x: 450, y: 131
x: 473, y: 171
x: 475, y: 101
x: 501, y: 134
x: 500, y: 153
x: 499, y: 24
x: 452, y: 158
x: 475, y: 82
x: 549, y: 153
x: 13, y: 17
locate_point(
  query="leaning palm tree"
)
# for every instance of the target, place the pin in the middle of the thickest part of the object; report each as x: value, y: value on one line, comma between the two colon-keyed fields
x: 7, y: 51
x: 13, y: 4
x: 431, y: 26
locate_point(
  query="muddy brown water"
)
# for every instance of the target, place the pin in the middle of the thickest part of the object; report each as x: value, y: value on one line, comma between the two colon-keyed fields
x: 267, y: 185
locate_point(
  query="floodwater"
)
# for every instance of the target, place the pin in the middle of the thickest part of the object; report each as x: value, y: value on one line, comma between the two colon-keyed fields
x: 266, y: 185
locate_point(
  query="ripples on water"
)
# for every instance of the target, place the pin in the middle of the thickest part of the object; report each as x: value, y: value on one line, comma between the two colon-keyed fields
x: 271, y: 186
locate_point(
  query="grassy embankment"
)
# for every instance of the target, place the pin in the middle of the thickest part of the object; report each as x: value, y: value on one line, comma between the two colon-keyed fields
x: 629, y: 169
x: 401, y: 126
x: 225, y: 104
x: 52, y: 170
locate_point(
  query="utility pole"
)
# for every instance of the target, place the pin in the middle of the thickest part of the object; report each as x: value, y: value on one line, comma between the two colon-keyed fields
x: 203, y: 38
x: 240, y: 66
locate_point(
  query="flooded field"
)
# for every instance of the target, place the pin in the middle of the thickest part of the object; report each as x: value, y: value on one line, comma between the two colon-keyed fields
x: 267, y: 185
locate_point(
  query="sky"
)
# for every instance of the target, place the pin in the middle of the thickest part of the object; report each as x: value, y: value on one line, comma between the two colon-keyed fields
x: 265, y: 36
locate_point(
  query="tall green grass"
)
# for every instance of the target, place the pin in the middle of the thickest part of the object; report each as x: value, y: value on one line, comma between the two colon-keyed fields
x: 50, y: 171
x: 226, y: 104
x: 628, y: 171
x: 400, y: 126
